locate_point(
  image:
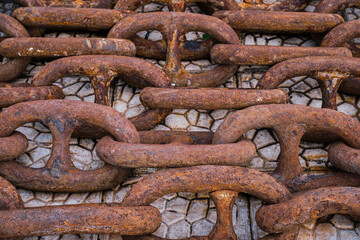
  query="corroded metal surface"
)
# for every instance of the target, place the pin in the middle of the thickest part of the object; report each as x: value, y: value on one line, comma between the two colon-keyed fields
x: 10, y: 197
x: 62, y: 47
x: 11, y: 93
x: 187, y: 49
x: 102, y: 70
x: 167, y: 155
x: 14, y: 67
x: 344, y: 157
x: 201, y: 179
x: 307, y: 206
x: 329, y: 71
x: 165, y: 137
x: 284, y: 5
x: 67, y: 3
x: 181, y: 211
x: 13, y: 146
x: 334, y: 6
x: 17, y: 221
x: 280, y: 22
x: 268, y: 55
x: 176, y: 6
x: 341, y: 36
x: 69, y: 18
x: 207, y: 98
x: 290, y: 122
x: 172, y: 26
x: 62, y: 117
x: 79, y: 219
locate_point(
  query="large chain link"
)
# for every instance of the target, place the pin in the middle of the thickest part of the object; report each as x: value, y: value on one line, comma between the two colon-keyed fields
x: 211, y: 162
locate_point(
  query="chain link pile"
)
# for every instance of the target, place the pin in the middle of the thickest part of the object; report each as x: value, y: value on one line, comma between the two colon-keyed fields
x: 193, y: 162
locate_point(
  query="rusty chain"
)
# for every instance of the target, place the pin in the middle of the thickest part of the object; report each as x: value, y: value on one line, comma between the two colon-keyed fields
x: 211, y: 162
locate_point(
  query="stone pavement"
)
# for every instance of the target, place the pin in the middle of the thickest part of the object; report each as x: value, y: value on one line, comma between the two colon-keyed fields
x: 187, y: 214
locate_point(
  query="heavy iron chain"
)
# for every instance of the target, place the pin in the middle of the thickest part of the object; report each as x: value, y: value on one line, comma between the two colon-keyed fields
x: 201, y: 161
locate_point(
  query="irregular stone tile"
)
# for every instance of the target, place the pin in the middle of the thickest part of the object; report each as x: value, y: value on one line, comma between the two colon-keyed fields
x: 187, y: 195
x: 90, y: 99
x: 127, y: 93
x: 94, y: 197
x: 299, y: 98
x: 316, y: 103
x: 314, y: 93
x: 192, y: 68
x: 179, y: 111
x: 309, y: 43
x: 34, y: 203
x: 197, y: 210
x: 170, y: 218
x: 34, y: 71
x: 86, y: 90
x: 204, y: 121
x: 347, y: 109
x: 201, y: 228
x: 275, y: 42
x: 120, y: 106
x: 60, y: 196
x: 250, y: 134
x: 76, y: 198
x: 75, y: 98
x: 72, y: 89
x: 261, y: 41
x: 39, y: 153
x: 325, y: 231
x: 263, y: 138
x: 161, y: 231
x: 44, y: 138
x: 25, y: 160
x: 315, y: 155
x: 26, y: 195
x: 348, y: 235
x: 87, y: 143
x: 342, y: 222
x: 294, y: 41
x: 249, y: 40
x: 170, y: 196
x: 211, y: 215
x: 155, y: 36
x: 300, y: 87
x: 179, y: 230
x: 134, y: 101
x: 69, y: 237
x: 219, y: 114
x: 216, y: 124
x: 119, y: 196
x: 135, y: 111
x: 175, y: 121
x: 270, y: 152
x: 256, y: 163
x: 43, y: 196
x: 50, y: 237
x: 178, y: 204
x: 160, y: 204
x: 202, y: 62
x: 30, y: 133
x: 241, y: 221
x: 256, y: 231
x: 81, y: 155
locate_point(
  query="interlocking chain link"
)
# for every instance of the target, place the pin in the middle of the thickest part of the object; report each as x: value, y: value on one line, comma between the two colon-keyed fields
x: 200, y: 162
